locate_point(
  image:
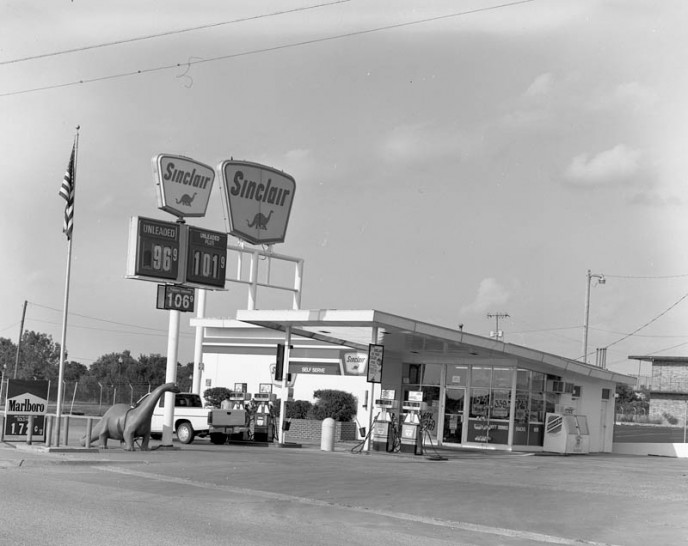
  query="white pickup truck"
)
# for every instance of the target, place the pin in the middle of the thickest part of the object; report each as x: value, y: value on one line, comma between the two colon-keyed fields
x: 190, y: 417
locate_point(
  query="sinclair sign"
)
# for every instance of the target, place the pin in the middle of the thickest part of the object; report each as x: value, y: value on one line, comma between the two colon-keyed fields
x: 183, y: 184
x: 257, y: 200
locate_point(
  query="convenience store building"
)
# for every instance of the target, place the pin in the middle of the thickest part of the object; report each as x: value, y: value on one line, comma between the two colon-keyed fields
x: 479, y: 392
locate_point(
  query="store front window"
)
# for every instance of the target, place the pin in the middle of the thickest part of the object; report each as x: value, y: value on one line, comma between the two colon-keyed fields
x: 532, y: 402
x: 426, y: 378
x: 490, y: 405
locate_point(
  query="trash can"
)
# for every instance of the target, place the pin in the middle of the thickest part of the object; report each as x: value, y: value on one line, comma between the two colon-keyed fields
x: 327, y: 435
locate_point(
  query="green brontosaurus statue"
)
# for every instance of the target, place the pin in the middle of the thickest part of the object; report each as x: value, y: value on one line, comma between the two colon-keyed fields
x: 123, y: 422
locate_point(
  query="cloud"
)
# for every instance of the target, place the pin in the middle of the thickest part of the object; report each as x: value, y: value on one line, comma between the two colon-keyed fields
x: 609, y: 166
x: 490, y: 295
x: 542, y: 85
x: 635, y: 93
x: 423, y: 143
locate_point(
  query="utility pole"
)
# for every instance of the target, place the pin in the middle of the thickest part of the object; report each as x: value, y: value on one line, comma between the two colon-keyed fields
x: 497, y: 334
x: 586, y: 317
x: 21, y: 333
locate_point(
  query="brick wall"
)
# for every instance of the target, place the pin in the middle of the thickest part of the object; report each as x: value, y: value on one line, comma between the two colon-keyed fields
x: 310, y: 431
x: 674, y: 405
x: 669, y: 377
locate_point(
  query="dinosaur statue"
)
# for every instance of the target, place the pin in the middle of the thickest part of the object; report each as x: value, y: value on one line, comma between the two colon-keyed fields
x: 124, y: 422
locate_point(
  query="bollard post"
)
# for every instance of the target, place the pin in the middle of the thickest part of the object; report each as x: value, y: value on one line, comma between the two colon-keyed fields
x: 89, y: 428
x: 29, y: 431
x: 327, y: 435
x: 48, y: 430
x: 66, y: 430
x: 2, y: 430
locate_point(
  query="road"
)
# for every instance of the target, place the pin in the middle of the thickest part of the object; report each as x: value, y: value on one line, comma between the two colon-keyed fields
x: 648, y: 434
x: 203, y: 494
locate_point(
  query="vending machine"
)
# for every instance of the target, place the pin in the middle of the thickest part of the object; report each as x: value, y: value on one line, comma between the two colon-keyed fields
x: 383, y: 426
x: 566, y: 433
x: 263, y: 422
x: 411, y: 434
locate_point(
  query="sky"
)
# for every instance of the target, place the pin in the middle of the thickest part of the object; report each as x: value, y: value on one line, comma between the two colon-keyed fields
x: 452, y: 159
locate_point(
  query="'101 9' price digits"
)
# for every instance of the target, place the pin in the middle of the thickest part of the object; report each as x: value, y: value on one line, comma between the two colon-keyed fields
x: 208, y: 265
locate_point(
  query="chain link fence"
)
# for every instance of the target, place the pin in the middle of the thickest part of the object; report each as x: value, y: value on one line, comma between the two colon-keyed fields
x: 90, y: 397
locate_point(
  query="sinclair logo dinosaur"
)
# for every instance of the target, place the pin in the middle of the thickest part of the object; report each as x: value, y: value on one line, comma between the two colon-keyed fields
x: 257, y: 200
x: 184, y: 185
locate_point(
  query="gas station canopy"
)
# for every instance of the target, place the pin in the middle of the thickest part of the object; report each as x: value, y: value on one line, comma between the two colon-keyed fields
x: 357, y: 328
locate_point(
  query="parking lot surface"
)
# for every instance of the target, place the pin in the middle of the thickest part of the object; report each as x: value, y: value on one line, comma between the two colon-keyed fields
x: 484, y: 497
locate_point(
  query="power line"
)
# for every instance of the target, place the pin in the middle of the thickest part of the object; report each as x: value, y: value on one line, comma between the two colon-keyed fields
x: 647, y: 277
x: 99, y: 319
x: 258, y: 51
x: 649, y: 322
x: 168, y: 33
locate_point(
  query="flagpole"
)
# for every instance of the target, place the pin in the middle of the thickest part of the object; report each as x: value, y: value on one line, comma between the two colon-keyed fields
x: 63, y: 339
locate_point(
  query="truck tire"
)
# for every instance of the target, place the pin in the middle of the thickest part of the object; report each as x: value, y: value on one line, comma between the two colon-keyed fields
x: 185, y: 432
x: 218, y: 438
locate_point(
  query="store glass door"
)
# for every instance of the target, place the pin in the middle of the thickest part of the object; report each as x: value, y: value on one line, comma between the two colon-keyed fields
x: 454, y: 398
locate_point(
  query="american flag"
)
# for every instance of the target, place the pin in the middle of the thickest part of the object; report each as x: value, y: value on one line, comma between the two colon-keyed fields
x: 67, y: 193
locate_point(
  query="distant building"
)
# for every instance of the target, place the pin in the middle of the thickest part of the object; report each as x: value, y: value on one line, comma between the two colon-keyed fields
x: 669, y: 386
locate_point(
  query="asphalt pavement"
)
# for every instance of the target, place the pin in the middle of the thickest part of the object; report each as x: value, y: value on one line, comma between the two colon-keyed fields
x: 503, y: 497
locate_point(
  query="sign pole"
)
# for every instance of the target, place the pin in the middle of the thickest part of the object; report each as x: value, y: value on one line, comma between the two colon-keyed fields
x: 198, y: 345
x: 371, y: 400
x: 285, y: 387
x: 171, y: 377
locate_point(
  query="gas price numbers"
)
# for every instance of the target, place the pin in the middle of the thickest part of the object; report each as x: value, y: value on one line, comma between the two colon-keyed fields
x: 158, y: 249
x: 176, y: 253
x: 178, y: 298
x: 207, y: 257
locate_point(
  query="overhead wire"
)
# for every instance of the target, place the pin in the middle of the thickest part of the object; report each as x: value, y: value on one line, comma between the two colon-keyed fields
x: 683, y: 275
x: 649, y: 322
x: 261, y: 50
x: 168, y: 33
x: 149, y: 331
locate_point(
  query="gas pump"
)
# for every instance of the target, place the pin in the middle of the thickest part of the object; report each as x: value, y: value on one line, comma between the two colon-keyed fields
x: 383, y: 426
x: 238, y: 399
x: 411, y: 435
x: 263, y: 426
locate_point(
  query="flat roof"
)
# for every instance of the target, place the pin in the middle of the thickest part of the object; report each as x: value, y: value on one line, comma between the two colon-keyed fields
x: 653, y: 358
x: 358, y: 328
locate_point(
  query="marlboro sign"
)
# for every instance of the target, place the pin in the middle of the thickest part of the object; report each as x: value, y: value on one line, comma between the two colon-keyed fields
x: 257, y: 200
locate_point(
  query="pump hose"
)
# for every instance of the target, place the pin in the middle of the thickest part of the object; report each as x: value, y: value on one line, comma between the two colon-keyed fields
x: 358, y: 448
x: 436, y: 456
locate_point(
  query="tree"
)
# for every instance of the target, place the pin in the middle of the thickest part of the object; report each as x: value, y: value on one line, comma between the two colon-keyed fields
x: 339, y: 405
x: 153, y: 368
x: 185, y: 376
x: 625, y: 394
x: 109, y: 369
x: 39, y: 357
x: 73, y: 371
x: 8, y: 352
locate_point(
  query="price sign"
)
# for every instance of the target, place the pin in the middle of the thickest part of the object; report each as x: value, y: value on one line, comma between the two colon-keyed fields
x: 206, y: 258
x: 154, y: 249
x: 179, y: 298
x: 16, y: 427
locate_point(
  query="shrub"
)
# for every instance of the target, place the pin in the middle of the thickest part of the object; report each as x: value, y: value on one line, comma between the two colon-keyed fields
x: 298, y: 409
x: 216, y: 395
x: 670, y: 418
x: 339, y: 405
